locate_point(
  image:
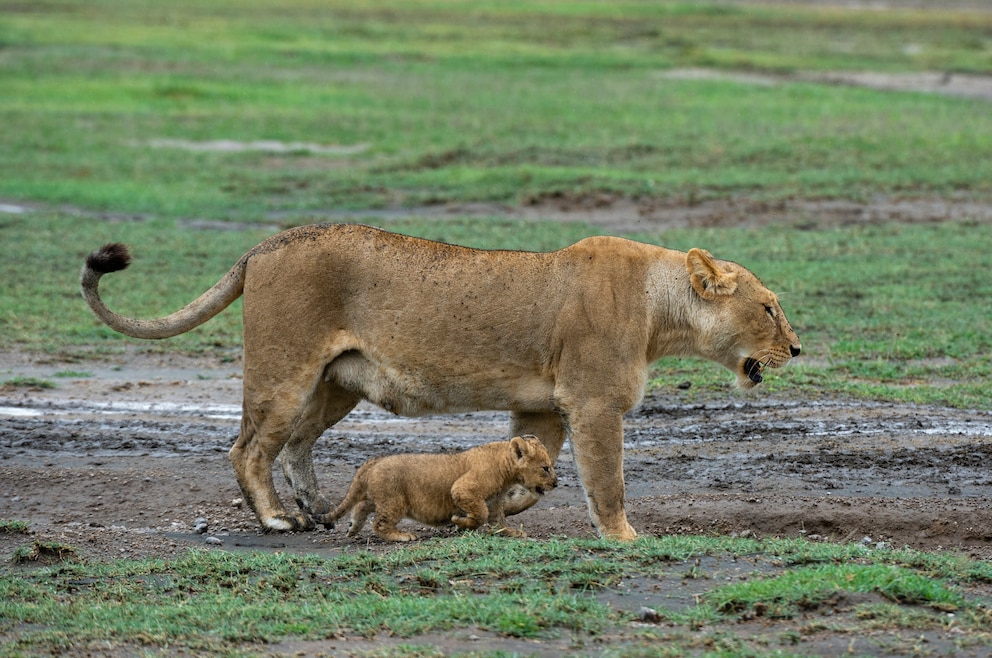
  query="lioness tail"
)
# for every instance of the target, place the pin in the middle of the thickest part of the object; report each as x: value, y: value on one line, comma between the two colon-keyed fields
x: 115, y: 257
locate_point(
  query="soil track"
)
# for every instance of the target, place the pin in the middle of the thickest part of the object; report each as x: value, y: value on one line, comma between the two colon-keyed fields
x: 123, y: 461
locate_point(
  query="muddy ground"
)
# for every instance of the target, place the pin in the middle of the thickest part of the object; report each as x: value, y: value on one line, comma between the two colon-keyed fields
x: 123, y: 457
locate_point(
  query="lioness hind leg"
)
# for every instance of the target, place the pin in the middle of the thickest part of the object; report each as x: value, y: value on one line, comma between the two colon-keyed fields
x: 252, y: 456
x: 328, y: 405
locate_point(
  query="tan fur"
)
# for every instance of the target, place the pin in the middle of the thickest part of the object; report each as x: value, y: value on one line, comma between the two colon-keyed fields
x: 438, y: 489
x: 338, y: 313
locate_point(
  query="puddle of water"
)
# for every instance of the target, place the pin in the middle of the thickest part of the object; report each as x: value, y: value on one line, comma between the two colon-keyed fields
x: 364, y: 414
x: 20, y: 411
x: 970, y: 429
x: 265, y: 146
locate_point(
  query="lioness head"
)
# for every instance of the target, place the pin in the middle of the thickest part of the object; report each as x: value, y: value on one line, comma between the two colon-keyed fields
x: 743, y: 326
x: 532, y: 463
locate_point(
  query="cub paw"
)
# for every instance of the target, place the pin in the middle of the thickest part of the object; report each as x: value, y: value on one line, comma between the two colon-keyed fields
x: 466, y: 522
x: 507, y: 531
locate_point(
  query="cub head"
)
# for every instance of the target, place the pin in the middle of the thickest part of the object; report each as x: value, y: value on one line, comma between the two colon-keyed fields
x: 532, y: 464
x: 740, y: 322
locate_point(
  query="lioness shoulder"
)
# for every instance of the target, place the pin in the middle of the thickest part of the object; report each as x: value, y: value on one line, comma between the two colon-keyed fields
x: 462, y: 488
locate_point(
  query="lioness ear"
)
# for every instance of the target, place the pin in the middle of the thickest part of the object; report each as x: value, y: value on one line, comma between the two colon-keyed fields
x: 707, y: 278
x: 519, y: 447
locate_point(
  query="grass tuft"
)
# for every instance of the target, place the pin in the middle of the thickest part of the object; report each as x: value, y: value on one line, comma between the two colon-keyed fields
x: 44, y: 552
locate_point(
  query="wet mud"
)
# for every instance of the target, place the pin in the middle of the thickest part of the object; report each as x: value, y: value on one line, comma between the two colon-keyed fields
x: 125, y: 458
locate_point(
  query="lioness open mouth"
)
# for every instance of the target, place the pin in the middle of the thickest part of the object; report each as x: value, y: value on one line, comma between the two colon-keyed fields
x: 752, y: 368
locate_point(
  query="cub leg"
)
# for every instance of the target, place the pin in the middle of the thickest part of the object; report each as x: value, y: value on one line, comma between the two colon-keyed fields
x: 387, y: 514
x: 475, y: 513
x: 328, y: 405
x: 550, y: 429
x: 359, y: 513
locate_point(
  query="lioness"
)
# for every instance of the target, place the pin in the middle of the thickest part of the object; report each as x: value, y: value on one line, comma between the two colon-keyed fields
x: 445, y: 488
x: 338, y: 313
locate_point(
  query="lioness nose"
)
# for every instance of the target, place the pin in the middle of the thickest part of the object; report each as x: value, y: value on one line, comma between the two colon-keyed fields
x: 795, y: 350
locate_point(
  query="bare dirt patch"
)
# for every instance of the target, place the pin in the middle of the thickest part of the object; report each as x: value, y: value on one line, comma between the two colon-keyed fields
x: 124, y: 459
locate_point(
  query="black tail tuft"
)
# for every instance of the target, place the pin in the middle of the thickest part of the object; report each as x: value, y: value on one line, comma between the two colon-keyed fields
x: 109, y: 258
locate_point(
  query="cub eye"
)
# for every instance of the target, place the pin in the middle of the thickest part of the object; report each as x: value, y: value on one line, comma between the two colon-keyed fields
x: 770, y: 311
x: 547, y: 469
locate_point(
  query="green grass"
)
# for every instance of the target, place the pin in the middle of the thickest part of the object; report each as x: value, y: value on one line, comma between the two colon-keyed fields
x: 28, y: 382
x: 506, y: 102
x: 217, y: 601
x: 73, y: 374
x: 884, y: 312
x: 12, y: 526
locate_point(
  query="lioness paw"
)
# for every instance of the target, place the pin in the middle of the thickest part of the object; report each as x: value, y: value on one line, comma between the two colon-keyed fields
x: 288, y: 522
x: 626, y: 533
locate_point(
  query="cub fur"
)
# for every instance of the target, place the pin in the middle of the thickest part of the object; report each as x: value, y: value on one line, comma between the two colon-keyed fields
x: 335, y: 314
x: 462, y: 488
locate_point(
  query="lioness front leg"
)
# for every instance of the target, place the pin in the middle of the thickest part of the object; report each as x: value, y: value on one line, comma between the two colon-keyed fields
x: 597, y: 447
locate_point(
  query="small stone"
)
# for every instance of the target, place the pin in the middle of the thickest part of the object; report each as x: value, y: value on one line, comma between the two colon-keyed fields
x: 237, y: 502
x: 213, y: 541
x: 649, y: 615
x: 866, y: 541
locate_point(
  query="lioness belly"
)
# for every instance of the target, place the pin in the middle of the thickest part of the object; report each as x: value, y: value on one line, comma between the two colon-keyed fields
x: 415, y: 391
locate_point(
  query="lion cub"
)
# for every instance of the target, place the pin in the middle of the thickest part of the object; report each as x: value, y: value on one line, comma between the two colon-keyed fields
x: 462, y: 488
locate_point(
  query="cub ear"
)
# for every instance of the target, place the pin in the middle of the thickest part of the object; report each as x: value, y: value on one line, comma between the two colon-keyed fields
x: 708, y: 279
x: 519, y: 447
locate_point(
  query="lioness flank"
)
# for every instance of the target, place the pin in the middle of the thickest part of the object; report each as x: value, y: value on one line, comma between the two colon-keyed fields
x: 463, y: 488
x: 334, y: 314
